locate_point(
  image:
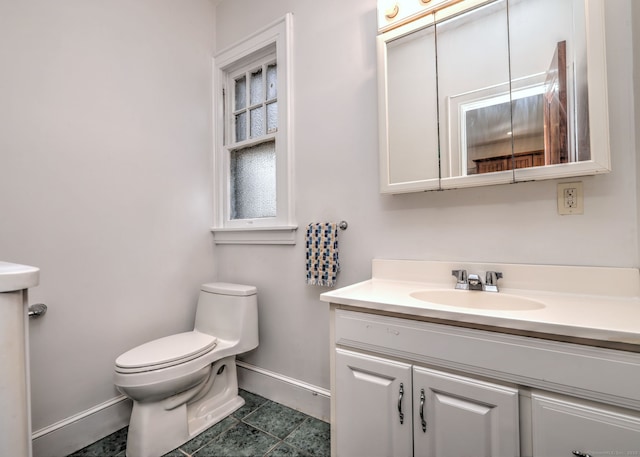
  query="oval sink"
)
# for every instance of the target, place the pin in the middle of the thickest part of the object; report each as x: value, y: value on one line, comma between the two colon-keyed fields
x: 477, y: 299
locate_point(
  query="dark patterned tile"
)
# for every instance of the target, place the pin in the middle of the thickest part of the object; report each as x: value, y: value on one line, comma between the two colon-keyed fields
x: 313, y: 436
x: 251, y: 403
x: 175, y: 453
x: 276, y: 419
x: 240, y: 441
x: 209, y: 434
x: 109, y: 446
x: 284, y: 450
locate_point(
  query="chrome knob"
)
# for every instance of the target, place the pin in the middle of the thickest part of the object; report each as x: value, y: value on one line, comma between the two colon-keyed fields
x: 37, y: 310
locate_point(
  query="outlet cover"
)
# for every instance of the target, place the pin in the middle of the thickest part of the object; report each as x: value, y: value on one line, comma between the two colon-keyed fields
x: 570, y: 198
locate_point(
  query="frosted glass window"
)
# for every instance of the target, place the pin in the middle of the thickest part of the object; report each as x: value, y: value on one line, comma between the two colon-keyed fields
x: 255, y: 102
x: 252, y: 144
x: 253, y: 182
x: 241, y: 92
x: 257, y: 122
x: 272, y: 117
x: 257, y: 92
x: 241, y: 126
x: 272, y: 82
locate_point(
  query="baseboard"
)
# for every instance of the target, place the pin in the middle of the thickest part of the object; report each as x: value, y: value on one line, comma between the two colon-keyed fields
x: 299, y: 395
x: 75, y: 432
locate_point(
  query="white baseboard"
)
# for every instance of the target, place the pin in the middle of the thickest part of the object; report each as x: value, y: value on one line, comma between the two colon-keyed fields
x: 299, y: 395
x: 75, y: 432
x: 80, y: 430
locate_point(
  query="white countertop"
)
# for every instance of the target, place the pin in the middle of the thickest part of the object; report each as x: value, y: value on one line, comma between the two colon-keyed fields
x: 602, y: 314
x: 17, y: 277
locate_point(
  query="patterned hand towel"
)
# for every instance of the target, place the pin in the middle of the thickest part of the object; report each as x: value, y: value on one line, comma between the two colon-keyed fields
x: 322, y: 254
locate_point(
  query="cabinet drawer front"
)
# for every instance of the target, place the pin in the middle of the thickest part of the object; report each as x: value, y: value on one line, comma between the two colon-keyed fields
x: 550, y: 365
x: 561, y: 426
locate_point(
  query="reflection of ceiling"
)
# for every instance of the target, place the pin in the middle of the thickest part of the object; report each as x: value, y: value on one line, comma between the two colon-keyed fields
x: 493, y: 123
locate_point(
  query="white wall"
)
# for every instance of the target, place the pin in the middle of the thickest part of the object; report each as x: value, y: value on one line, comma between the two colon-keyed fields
x: 337, y: 178
x: 105, y: 159
x: 105, y: 127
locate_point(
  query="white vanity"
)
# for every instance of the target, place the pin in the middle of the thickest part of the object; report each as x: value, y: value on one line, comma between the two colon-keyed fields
x: 418, y: 368
x: 15, y: 413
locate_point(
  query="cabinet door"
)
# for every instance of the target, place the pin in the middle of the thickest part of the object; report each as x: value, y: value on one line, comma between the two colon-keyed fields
x: 408, y: 111
x: 562, y: 426
x: 455, y: 416
x: 370, y: 391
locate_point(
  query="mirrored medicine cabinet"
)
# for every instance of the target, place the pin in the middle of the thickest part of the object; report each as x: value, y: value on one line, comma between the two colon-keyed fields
x: 475, y: 93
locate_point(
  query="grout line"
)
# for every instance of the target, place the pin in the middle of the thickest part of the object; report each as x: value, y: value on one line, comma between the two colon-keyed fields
x: 233, y: 425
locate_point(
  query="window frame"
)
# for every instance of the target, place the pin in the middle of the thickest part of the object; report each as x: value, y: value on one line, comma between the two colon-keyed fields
x: 256, y: 49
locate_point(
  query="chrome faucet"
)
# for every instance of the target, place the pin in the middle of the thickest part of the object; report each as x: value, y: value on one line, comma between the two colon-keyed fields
x: 475, y: 283
x: 466, y: 281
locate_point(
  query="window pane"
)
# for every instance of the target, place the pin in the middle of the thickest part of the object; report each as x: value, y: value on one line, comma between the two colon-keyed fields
x: 272, y: 86
x: 257, y: 122
x: 253, y: 182
x: 272, y: 117
x: 256, y: 87
x: 241, y: 92
x: 241, y: 126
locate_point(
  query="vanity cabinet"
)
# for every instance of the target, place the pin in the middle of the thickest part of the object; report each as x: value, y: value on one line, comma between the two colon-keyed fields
x: 479, y: 392
x: 394, y: 408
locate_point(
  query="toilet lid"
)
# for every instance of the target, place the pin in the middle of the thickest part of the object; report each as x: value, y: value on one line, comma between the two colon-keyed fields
x: 165, y: 352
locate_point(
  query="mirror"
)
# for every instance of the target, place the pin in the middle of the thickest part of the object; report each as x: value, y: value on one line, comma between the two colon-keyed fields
x: 412, y: 114
x: 490, y: 92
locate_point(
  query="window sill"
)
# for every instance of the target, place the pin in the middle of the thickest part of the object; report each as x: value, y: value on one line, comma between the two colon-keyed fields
x: 255, y: 235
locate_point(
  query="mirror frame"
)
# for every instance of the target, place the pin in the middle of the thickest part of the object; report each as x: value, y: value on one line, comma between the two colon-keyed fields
x: 599, y: 162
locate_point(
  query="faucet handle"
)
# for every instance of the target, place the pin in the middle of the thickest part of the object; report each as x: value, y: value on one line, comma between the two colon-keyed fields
x: 492, y: 277
x: 491, y: 281
x: 461, y: 275
x: 461, y: 279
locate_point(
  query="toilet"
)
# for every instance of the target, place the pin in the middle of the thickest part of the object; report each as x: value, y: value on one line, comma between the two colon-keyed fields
x: 184, y: 383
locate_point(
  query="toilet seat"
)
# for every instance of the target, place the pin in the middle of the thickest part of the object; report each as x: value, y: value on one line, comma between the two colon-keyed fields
x: 166, y: 352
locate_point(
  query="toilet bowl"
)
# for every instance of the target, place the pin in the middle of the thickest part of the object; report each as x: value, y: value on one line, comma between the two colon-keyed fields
x: 184, y: 383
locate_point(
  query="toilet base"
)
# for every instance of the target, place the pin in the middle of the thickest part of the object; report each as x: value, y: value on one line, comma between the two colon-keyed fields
x: 154, y: 430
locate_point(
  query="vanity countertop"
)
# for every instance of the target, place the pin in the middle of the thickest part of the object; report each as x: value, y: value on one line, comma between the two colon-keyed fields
x: 17, y: 277
x: 598, y: 305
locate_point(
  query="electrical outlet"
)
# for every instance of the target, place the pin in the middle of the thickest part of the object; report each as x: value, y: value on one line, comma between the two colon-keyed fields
x: 570, y: 198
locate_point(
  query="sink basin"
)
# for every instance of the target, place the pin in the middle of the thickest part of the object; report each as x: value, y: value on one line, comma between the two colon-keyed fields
x: 477, y: 300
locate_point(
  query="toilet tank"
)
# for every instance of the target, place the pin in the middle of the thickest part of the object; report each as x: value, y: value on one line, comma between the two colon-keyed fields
x: 229, y: 312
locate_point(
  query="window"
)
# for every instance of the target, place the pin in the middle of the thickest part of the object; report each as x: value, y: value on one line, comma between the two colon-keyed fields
x: 253, y: 147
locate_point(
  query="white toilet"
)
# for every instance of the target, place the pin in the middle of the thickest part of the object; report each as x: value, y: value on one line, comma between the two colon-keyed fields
x: 184, y: 383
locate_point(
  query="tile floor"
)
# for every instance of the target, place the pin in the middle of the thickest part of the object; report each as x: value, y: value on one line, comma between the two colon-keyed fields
x: 261, y: 428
